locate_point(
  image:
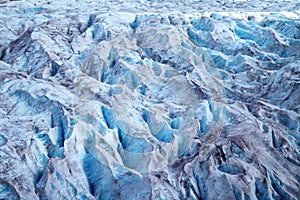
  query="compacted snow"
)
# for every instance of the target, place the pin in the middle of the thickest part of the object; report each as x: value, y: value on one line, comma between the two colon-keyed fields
x: 149, y: 100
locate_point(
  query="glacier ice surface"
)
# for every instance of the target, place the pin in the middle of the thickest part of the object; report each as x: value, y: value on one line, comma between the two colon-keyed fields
x: 117, y: 105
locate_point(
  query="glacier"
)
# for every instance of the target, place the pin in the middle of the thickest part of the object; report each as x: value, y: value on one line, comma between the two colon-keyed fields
x: 118, y: 103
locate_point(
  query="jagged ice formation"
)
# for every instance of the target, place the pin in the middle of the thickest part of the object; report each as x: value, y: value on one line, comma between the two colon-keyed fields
x: 150, y: 106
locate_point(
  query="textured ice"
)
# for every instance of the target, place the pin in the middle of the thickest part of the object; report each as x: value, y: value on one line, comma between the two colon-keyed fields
x: 124, y: 104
